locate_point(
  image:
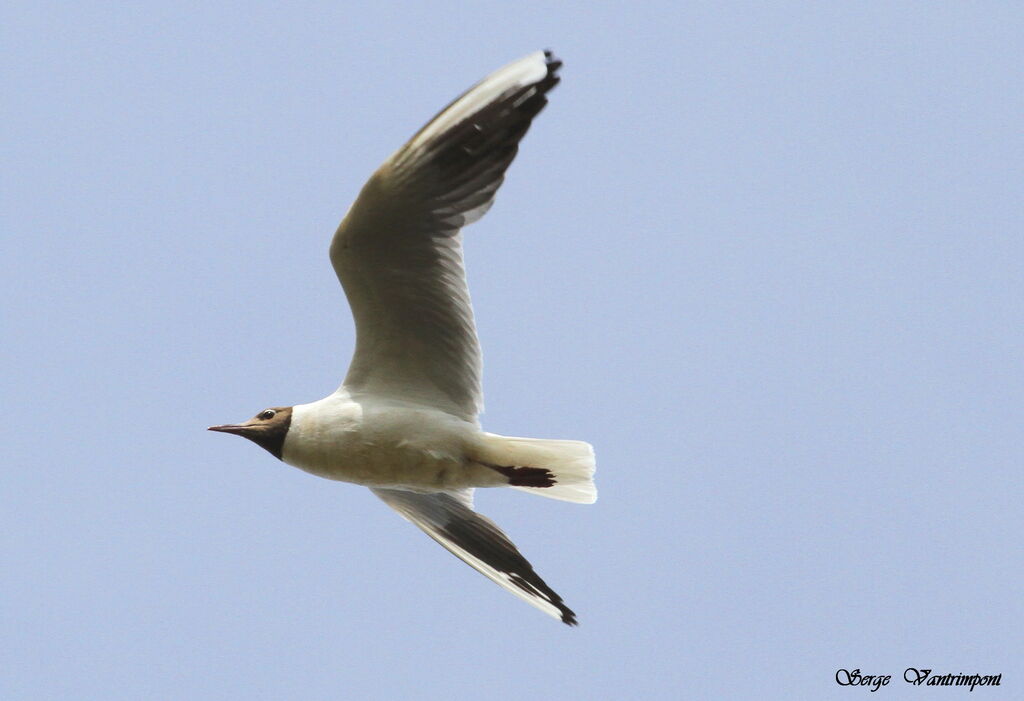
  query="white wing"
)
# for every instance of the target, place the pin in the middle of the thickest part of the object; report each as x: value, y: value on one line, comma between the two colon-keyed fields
x: 398, y: 252
x: 448, y: 518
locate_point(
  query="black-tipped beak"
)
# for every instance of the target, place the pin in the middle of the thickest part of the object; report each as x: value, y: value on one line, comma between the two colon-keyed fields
x: 237, y: 429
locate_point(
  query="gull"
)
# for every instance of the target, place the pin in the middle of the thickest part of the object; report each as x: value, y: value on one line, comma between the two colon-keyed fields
x: 405, y: 420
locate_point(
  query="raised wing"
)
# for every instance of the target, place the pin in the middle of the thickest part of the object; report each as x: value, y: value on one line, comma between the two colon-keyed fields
x: 398, y: 252
x: 449, y: 519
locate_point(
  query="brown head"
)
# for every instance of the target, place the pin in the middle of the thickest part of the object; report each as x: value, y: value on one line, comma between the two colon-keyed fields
x: 267, y: 429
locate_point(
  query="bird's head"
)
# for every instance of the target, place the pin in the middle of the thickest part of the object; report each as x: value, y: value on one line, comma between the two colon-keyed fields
x: 267, y: 429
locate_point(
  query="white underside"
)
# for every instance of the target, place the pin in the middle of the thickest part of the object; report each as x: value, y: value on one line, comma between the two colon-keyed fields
x: 384, y: 443
x: 380, y: 442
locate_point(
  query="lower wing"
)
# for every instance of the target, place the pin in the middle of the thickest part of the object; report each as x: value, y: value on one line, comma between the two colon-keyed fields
x: 448, y: 518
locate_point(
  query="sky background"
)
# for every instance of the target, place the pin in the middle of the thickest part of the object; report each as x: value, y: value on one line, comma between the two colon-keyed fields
x: 767, y: 258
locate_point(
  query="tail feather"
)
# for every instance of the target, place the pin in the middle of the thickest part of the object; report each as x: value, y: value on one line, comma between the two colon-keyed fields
x: 550, y: 468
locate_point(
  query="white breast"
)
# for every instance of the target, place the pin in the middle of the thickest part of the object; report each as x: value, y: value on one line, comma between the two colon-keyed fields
x: 377, y: 443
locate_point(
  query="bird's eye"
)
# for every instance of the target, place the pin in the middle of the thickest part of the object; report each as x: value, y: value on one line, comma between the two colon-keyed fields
x: 268, y: 414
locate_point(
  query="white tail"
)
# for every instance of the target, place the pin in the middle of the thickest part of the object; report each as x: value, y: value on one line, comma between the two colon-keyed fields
x: 569, y: 464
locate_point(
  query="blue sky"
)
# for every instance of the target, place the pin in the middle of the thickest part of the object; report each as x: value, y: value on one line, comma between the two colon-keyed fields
x: 767, y: 258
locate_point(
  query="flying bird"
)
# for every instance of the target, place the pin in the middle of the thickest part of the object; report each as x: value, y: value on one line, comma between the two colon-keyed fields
x: 405, y: 420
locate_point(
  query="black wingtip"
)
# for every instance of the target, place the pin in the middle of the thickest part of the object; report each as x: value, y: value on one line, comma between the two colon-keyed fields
x: 552, y: 61
x: 569, y: 618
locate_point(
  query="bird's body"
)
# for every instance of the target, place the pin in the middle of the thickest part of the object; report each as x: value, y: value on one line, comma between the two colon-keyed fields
x: 386, y: 443
x: 405, y: 420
